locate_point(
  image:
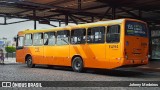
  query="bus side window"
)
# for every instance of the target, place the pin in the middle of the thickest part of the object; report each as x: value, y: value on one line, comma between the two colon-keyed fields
x: 78, y: 36
x: 113, y: 34
x: 38, y: 39
x: 49, y: 38
x: 96, y: 35
x: 63, y: 37
x: 28, y: 39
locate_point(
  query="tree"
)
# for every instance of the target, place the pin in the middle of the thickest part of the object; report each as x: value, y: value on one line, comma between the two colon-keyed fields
x: 10, y: 49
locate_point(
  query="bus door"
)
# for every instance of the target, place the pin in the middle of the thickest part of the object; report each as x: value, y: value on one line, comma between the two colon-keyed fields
x: 113, y: 45
x: 95, y: 47
x: 49, y: 48
x: 20, y: 49
x: 62, y: 47
x: 37, y: 54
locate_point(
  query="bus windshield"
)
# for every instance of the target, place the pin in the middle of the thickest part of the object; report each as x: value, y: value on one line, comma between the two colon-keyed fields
x: 135, y: 29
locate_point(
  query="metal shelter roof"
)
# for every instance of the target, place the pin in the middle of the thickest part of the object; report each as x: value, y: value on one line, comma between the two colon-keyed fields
x: 77, y: 11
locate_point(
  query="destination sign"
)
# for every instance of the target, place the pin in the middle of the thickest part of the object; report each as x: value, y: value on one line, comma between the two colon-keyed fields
x: 136, y: 29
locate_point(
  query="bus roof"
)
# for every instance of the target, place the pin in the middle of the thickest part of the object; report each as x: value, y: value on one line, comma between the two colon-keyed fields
x: 87, y: 25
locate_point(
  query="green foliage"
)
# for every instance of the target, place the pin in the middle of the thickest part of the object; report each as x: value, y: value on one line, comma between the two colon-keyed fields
x: 10, y: 49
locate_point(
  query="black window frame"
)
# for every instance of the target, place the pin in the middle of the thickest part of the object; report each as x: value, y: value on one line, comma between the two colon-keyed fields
x: 35, y: 39
x: 48, y: 42
x: 31, y: 39
x: 62, y: 39
x: 90, y: 31
x: 73, y: 34
x: 119, y: 34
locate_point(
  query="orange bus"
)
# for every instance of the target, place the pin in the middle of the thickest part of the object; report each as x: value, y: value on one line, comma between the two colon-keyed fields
x: 105, y: 44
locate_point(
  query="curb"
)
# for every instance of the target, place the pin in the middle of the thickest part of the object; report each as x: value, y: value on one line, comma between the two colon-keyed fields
x: 10, y: 64
x: 149, y: 69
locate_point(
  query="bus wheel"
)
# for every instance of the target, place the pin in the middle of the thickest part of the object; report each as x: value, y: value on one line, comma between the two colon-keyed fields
x: 77, y: 64
x: 29, y: 62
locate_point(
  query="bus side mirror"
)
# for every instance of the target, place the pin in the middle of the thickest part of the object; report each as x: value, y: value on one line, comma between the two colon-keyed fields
x: 15, y: 39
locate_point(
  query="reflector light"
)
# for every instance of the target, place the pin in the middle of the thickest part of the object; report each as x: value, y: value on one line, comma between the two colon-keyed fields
x: 127, y: 43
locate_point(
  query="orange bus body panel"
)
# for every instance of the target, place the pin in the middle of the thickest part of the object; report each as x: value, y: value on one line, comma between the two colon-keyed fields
x: 94, y: 55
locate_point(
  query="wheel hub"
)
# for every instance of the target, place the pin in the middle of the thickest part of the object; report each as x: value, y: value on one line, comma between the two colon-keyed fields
x: 77, y: 65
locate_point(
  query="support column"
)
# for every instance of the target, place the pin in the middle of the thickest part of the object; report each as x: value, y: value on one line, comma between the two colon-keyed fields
x: 34, y: 16
x: 92, y: 19
x: 79, y: 4
x: 5, y: 20
x: 140, y: 14
x: 113, y: 12
x: 66, y: 19
x: 59, y: 23
x: 151, y: 27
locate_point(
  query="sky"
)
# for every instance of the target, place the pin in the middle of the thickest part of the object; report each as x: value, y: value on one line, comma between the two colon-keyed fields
x: 9, y: 31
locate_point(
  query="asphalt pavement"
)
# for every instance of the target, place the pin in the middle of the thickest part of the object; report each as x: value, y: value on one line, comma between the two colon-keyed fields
x: 13, y: 71
x: 151, y: 66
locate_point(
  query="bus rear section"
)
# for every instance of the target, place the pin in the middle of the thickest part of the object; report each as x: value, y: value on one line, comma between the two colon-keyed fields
x: 136, y: 43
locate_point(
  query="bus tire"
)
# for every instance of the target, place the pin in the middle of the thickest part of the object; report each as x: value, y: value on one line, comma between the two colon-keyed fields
x: 30, y: 62
x: 77, y: 64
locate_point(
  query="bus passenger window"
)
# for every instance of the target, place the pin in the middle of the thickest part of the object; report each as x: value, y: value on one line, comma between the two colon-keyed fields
x: 113, y: 34
x: 78, y: 36
x: 38, y: 39
x: 96, y: 35
x: 28, y: 39
x: 49, y: 38
x: 63, y: 37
